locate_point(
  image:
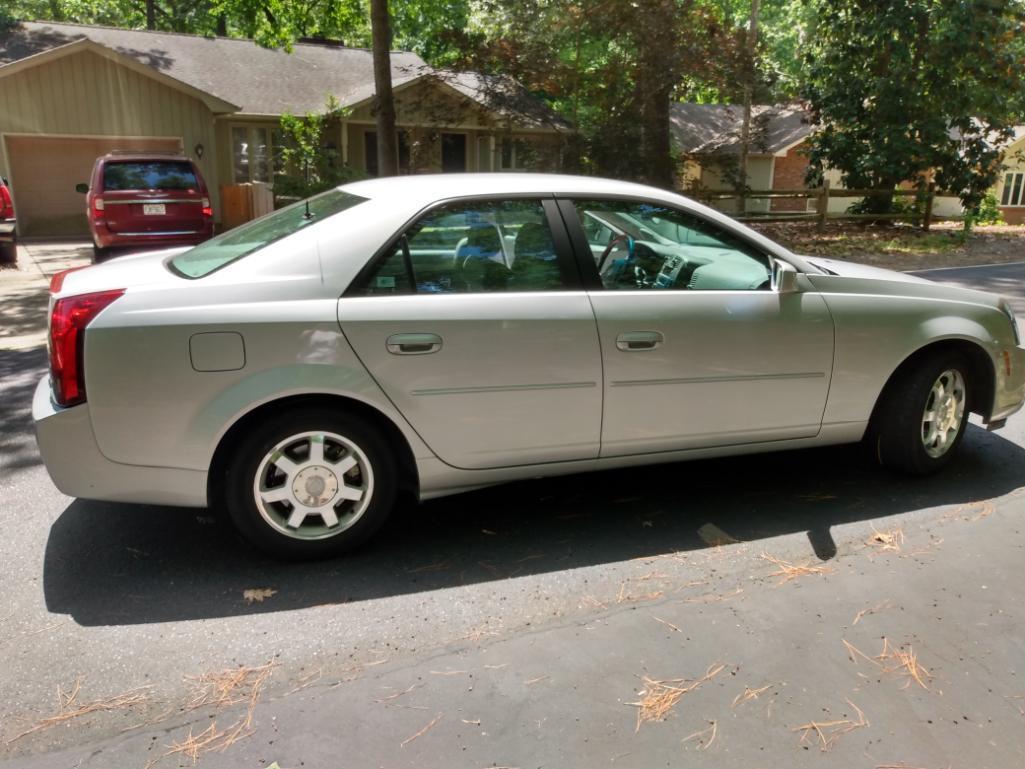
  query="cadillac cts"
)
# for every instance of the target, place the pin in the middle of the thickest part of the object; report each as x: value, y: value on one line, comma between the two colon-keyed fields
x: 442, y: 333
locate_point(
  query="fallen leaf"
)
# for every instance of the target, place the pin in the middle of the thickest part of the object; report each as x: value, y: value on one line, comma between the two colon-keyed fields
x: 258, y: 594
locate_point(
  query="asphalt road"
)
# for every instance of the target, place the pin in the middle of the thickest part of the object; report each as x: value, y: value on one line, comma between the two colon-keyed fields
x: 515, y: 626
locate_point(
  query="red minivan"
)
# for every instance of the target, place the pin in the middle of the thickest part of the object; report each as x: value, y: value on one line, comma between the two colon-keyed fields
x: 146, y: 199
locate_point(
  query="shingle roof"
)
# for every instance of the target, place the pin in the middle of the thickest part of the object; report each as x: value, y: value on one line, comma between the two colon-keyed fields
x: 504, y: 96
x: 716, y: 128
x: 264, y: 81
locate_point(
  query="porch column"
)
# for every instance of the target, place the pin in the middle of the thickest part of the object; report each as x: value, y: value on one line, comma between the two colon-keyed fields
x: 345, y: 142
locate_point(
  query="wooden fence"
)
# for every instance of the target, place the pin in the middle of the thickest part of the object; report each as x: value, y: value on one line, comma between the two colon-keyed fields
x: 821, y: 195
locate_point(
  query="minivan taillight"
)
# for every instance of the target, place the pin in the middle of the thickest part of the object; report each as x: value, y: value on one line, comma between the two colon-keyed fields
x: 207, y: 210
x: 97, y: 208
x: 68, y: 321
x: 6, y: 206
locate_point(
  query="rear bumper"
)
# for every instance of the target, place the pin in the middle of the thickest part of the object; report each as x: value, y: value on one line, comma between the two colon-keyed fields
x: 104, y: 238
x: 79, y: 469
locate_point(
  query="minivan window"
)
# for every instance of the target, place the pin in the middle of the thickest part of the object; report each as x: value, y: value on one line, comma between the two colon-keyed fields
x: 149, y: 175
x: 252, y: 236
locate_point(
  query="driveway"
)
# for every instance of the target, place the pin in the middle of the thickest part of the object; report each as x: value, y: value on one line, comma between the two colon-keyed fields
x: 762, y: 610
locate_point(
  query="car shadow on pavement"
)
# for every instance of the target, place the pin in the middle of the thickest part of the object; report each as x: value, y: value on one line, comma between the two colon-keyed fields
x: 113, y: 564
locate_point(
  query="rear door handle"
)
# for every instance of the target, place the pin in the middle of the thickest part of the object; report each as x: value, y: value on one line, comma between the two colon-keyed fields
x: 636, y: 341
x: 413, y: 344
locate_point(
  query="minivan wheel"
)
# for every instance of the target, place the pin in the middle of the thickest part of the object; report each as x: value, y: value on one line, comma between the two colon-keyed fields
x: 922, y: 416
x: 100, y: 253
x: 311, y: 484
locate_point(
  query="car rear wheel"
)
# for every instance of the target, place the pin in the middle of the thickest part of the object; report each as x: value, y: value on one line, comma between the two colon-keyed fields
x: 922, y: 416
x: 311, y: 484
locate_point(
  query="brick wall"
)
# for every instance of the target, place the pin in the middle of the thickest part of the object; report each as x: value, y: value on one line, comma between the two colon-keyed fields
x: 789, y: 175
x: 1013, y: 215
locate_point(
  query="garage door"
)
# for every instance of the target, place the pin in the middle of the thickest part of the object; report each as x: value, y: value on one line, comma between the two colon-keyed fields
x: 45, y: 169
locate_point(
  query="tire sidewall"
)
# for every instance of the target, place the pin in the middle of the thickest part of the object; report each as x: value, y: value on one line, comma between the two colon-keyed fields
x: 898, y: 430
x: 255, y: 445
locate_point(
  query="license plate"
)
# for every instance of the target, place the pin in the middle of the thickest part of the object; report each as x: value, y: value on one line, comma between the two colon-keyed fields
x: 153, y: 209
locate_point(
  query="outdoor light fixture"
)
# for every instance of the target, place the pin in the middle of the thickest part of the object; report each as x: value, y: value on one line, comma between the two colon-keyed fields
x: 198, y: 149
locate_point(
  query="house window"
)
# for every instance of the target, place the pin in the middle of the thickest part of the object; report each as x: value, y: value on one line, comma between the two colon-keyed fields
x: 1012, y: 194
x: 514, y: 155
x: 251, y: 153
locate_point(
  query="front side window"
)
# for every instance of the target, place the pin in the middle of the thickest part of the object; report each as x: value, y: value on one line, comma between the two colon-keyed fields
x: 478, y: 247
x: 650, y: 246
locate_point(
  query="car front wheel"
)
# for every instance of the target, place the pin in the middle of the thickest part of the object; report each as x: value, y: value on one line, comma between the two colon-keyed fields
x: 311, y: 484
x: 922, y: 416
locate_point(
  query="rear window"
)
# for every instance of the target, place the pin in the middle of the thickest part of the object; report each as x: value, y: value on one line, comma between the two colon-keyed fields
x: 252, y: 236
x: 149, y: 175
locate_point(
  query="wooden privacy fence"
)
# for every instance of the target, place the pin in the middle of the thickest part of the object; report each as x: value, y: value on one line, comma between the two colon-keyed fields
x: 822, y: 195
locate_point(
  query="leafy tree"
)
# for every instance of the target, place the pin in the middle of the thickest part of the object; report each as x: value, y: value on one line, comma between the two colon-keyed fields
x: 904, y: 89
x: 307, y: 165
x: 611, y: 67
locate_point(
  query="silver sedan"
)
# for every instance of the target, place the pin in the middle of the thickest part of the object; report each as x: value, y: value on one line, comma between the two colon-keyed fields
x: 443, y: 333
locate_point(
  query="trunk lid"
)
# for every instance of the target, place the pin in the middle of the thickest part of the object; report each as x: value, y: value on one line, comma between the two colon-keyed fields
x: 123, y: 272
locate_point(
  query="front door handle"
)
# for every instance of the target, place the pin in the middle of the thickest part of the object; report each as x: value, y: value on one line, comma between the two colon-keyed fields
x: 636, y: 341
x: 413, y: 344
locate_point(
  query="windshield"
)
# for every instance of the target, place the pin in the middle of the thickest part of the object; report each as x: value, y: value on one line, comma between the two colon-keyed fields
x: 252, y: 236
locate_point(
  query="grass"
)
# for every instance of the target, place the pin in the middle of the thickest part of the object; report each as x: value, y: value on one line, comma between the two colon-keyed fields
x: 900, y: 247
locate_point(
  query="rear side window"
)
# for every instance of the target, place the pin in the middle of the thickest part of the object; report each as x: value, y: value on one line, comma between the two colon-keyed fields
x: 149, y: 175
x: 252, y: 236
x: 479, y: 247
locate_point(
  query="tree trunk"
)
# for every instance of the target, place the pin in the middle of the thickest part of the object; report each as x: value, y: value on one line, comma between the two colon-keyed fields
x: 655, y: 80
x: 384, y: 100
x: 749, y: 77
x: 151, y: 14
x: 222, y: 25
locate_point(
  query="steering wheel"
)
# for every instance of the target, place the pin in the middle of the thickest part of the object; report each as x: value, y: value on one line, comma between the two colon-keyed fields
x: 622, y: 238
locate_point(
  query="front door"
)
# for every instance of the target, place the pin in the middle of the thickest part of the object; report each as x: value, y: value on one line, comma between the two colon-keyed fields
x: 698, y: 350
x: 476, y: 328
x: 453, y: 152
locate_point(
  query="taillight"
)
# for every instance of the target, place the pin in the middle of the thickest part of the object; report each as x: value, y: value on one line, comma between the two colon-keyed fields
x: 207, y: 210
x: 6, y: 206
x: 97, y: 207
x: 68, y: 321
x: 57, y: 281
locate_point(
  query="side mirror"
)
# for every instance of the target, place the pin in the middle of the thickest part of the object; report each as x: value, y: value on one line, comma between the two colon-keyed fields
x: 784, y: 277
x: 82, y: 188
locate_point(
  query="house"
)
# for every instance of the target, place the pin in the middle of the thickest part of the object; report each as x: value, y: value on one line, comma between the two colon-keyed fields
x: 1009, y: 190
x: 709, y: 136
x: 69, y: 93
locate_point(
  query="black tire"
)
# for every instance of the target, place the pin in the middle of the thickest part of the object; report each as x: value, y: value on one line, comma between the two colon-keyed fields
x: 100, y: 253
x: 895, y: 434
x: 253, y: 450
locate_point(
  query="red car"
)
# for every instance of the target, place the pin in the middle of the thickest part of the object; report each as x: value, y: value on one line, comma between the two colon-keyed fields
x: 7, y: 225
x: 146, y: 199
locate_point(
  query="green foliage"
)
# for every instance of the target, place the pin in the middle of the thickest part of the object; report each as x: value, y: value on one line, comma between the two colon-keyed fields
x: 906, y: 87
x: 308, y: 166
x: 612, y: 68
x: 987, y: 212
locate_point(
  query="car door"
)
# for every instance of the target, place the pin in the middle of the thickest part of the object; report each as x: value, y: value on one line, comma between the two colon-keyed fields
x: 476, y: 326
x: 698, y: 350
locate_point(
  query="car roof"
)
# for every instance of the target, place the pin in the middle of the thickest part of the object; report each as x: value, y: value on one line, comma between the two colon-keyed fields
x: 148, y: 156
x: 427, y: 188
x: 415, y: 192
